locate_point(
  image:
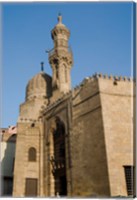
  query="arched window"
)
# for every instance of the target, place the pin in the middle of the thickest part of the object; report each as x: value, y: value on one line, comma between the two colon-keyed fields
x: 32, y: 154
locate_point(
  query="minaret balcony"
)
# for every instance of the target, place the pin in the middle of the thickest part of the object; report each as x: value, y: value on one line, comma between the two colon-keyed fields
x: 55, y: 51
x: 60, y: 52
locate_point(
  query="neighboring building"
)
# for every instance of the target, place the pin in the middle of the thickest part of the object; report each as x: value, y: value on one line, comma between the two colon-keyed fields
x: 75, y: 143
x: 7, y: 154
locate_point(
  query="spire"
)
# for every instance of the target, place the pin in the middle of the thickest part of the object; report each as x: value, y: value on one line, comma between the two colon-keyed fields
x: 60, y: 18
x: 42, y: 66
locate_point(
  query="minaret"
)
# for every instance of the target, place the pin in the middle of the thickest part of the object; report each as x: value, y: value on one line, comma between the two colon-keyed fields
x: 60, y: 58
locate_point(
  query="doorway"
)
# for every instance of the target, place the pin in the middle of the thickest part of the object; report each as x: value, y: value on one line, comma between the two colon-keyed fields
x: 31, y: 187
x: 59, y: 159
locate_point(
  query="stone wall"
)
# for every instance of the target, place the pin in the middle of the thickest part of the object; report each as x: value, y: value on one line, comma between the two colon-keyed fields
x: 88, y: 154
x: 117, y: 108
x: 28, y: 137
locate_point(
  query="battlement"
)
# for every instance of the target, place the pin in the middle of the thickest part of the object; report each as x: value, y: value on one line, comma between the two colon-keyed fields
x: 110, y: 77
x: 94, y: 77
x: 103, y: 76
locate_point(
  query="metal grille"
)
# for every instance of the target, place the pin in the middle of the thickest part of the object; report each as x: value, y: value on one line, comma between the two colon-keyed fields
x: 129, y: 175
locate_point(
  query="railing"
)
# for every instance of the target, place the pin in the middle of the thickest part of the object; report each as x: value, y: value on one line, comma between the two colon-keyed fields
x: 52, y: 51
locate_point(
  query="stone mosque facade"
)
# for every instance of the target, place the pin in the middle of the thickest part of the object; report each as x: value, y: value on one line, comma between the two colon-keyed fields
x: 74, y: 142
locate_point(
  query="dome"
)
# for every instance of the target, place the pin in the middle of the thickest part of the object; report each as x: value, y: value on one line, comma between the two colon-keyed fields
x: 39, y: 86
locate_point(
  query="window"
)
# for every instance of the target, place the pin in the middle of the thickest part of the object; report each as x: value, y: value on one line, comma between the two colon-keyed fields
x: 129, y: 175
x: 7, y: 186
x: 32, y: 154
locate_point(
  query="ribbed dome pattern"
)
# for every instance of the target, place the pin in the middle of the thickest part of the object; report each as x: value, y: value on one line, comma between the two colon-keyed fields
x: 39, y: 86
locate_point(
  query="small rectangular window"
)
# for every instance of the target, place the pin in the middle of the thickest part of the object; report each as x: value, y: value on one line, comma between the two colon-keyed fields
x: 129, y: 176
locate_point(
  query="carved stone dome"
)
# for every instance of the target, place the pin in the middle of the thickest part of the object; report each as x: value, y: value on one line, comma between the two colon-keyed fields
x: 40, y: 86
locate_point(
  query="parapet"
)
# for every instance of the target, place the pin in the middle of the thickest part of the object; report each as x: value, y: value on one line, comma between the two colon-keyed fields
x: 111, y: 77
x: 97, y: 76
x: 77, y: 88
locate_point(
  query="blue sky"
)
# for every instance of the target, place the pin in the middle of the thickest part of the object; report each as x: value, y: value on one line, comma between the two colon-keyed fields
x: 101, y: 41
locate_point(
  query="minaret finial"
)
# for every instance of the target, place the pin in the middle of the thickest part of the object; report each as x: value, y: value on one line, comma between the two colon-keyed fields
x: 42, y: 66
x: 59, y: 18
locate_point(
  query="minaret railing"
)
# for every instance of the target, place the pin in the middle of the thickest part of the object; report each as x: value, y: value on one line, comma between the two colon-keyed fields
x: 52, y: 51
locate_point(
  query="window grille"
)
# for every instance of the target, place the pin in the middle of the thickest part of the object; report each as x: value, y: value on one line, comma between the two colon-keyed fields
x: 129, y: 176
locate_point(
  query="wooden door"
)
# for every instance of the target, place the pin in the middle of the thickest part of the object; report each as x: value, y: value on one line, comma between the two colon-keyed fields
x: 31, y: 187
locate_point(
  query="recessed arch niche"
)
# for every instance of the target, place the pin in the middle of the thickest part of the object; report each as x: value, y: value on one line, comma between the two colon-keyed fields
x: 57, y: 158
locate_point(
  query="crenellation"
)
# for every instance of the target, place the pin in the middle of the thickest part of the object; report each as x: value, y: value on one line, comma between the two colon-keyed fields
x: 106, y: 76
x: 111, y: 77
x: 116, y: 78
x: 120, y: 78
x: 100, y: 75
x: 82, y: 84
x: 125, y: 78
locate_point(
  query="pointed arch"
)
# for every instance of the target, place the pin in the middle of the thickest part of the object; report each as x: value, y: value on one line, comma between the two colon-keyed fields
x: 57, y: 158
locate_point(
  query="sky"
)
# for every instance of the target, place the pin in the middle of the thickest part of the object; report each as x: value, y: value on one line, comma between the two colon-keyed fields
x: 101, y: 40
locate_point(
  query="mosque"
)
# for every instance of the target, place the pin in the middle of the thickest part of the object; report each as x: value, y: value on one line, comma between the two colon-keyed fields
x: 74, y: 142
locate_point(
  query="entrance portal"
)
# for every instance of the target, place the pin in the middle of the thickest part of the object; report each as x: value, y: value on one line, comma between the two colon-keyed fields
x: 58, y: 160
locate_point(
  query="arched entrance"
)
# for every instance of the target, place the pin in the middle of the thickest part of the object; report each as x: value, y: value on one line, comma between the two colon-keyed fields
x: 57, y: 155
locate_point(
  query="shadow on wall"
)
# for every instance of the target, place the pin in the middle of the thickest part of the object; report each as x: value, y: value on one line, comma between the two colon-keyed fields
x: 7, y: 165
